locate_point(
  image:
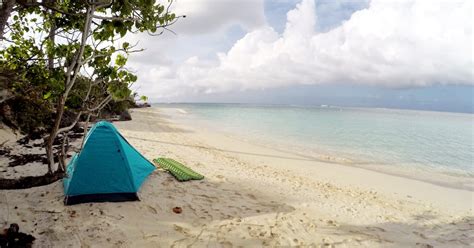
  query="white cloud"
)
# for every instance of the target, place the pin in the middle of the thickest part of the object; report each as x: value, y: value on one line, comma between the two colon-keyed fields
x: 392, y: 43
x: 210, y: 15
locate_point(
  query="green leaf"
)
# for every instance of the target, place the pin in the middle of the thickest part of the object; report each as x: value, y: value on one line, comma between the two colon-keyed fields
x: 120, y: 60
x: 47, y: 95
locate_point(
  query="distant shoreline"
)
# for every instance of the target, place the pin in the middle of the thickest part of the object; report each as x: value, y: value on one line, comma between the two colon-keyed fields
x: 164, y: 104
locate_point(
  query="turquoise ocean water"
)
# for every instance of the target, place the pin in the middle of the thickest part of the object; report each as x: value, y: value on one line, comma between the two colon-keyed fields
x: 431, y: 141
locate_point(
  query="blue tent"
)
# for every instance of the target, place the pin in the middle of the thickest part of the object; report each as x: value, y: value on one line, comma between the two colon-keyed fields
x: 107, y: 169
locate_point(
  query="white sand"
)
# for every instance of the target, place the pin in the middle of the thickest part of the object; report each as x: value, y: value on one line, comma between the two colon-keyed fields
x: 251, y: 196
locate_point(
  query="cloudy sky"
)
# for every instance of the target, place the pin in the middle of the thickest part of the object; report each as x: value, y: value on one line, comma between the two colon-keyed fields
x: 378, y: 53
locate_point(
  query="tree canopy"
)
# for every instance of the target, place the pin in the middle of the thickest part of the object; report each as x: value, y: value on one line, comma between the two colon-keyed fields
x: 69, y: 55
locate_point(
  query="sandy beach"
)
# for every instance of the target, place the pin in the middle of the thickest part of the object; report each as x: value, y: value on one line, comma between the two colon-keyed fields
x: 251, y: 196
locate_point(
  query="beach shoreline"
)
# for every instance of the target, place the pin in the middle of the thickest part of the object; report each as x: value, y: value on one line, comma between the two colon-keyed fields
x: 251, y: 196
x: 450, y: 179
x: 450, y: 195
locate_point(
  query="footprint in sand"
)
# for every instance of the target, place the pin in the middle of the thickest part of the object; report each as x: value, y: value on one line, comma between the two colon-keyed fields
x: 151, y: 209
x: 253, y: 232
x: 226, y: 244
x: 221, y: 178
x: 374, y: 228
x: 419, y: 234
x: 252, y: 196
x: 332, y: 223
x: 181, y: 229
x: 424, y: 245
x: 209, y: 198
x: 166, y: 183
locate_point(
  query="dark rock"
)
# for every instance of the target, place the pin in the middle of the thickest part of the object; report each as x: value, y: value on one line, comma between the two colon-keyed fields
x: 141, y: 105
x: 11, y: 237
x: 125, y: 116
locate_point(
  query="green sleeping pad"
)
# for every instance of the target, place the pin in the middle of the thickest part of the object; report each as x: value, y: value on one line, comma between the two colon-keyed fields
x: 178, y: 170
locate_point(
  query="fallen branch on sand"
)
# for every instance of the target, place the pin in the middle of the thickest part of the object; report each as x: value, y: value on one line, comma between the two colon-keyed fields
x: 29, y: 181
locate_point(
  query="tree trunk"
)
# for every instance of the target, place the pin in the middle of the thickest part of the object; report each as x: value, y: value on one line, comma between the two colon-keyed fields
x: 86, y: 129
x: 51, y: 37
x: 52, y: 135
x: 72, y: 74
x: 5, y: 12
x: 63, y: 153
